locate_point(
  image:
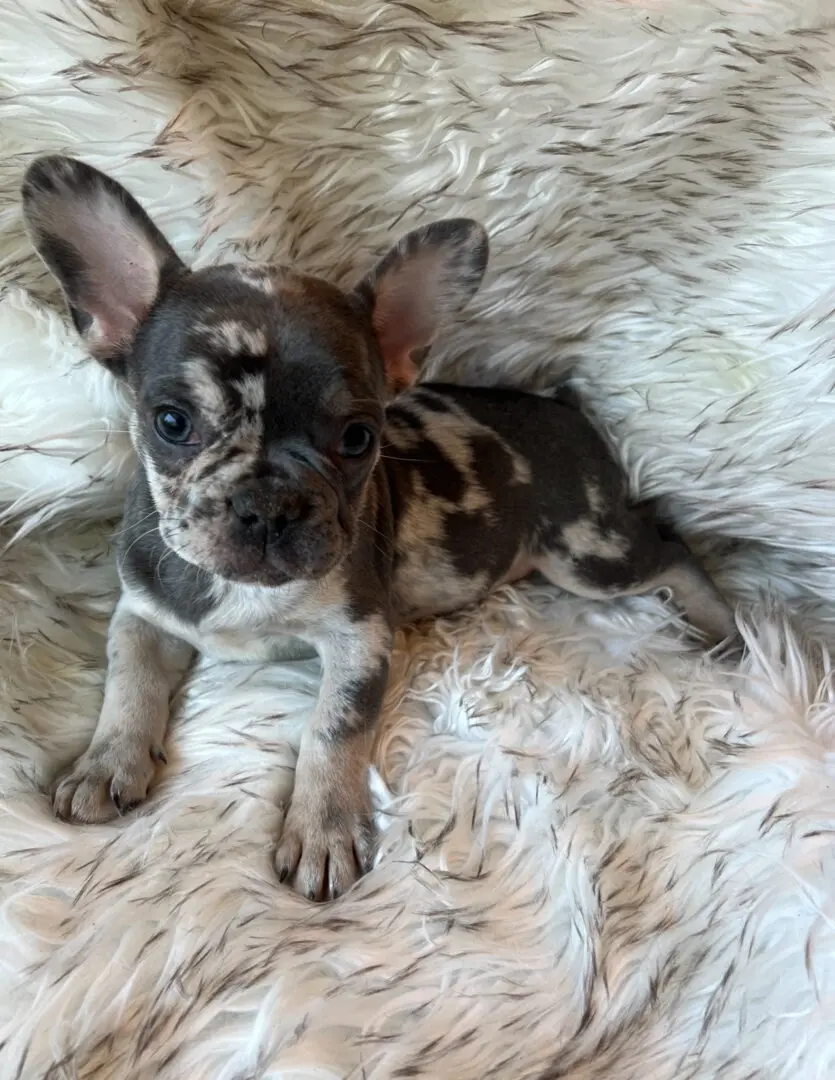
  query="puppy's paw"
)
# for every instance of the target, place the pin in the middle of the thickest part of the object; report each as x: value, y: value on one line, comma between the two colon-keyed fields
x: 327, y: 843
x: 110, y: 779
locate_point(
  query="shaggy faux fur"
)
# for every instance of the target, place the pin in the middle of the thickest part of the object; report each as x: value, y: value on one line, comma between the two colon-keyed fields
x: 605, y: 855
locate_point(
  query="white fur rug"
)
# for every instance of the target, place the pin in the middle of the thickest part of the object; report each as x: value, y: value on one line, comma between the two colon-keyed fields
x: 606, y: 856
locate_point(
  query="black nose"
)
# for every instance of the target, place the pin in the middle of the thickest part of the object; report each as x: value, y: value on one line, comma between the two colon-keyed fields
x: 261, y: 517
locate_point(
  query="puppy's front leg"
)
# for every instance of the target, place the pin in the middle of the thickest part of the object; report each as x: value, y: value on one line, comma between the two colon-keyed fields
x: 144, y: 666
x: 328, y: 837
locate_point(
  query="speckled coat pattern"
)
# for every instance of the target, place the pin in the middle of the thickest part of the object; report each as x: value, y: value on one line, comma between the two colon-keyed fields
x: 605, y: 855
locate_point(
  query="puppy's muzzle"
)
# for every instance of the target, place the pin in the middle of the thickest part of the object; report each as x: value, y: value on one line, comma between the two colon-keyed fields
x: 278, y: 528
x: 262, y: 514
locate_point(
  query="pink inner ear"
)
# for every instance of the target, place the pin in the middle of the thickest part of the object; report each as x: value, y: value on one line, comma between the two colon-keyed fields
x: 406, y: 309
x: 121, y: 269
x: 124, y: 272
x: 401, y: 370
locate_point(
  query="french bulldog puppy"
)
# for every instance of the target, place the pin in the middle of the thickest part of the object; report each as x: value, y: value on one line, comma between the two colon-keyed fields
x: 295, y: 490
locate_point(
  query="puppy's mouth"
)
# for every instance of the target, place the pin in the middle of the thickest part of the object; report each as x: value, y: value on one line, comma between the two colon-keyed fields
x: 265, y: 575
x: 272, y: 571
x: 307, y: 553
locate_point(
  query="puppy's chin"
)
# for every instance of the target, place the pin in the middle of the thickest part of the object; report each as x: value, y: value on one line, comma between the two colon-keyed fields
x: 246, y: 566
x: 272, y: 573
x: 263, y: 576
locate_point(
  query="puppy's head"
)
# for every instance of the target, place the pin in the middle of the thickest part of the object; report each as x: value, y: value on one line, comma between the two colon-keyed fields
x: 259, y: 391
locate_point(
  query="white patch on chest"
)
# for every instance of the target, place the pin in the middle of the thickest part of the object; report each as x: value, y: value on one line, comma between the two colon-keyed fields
x: 253, y: 624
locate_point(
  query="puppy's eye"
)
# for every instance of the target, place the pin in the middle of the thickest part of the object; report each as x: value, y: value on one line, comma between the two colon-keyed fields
x: 357, y: 439
x: 173, y: 426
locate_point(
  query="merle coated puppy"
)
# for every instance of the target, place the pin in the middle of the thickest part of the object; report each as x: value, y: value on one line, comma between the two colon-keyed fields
x: 295, y: 492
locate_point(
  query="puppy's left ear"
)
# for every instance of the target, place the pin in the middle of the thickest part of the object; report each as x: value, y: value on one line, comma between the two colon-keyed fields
x: 432, y: 273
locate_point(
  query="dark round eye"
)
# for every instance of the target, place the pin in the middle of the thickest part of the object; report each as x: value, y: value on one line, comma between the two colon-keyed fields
x: 357, y: 439
x: 172, y: 425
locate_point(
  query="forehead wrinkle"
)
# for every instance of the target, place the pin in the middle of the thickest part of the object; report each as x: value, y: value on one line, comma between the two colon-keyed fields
x: 226, y: 473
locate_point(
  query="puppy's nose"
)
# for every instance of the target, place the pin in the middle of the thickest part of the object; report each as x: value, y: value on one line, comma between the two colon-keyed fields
x: 259, y: 515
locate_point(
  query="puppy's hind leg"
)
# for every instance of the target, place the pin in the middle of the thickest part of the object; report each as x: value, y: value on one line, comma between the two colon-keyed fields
x: 626, y: 556
x: 692, y: 589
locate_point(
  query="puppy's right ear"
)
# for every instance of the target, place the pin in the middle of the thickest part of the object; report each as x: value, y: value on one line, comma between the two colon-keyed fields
x: 108, y: 256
